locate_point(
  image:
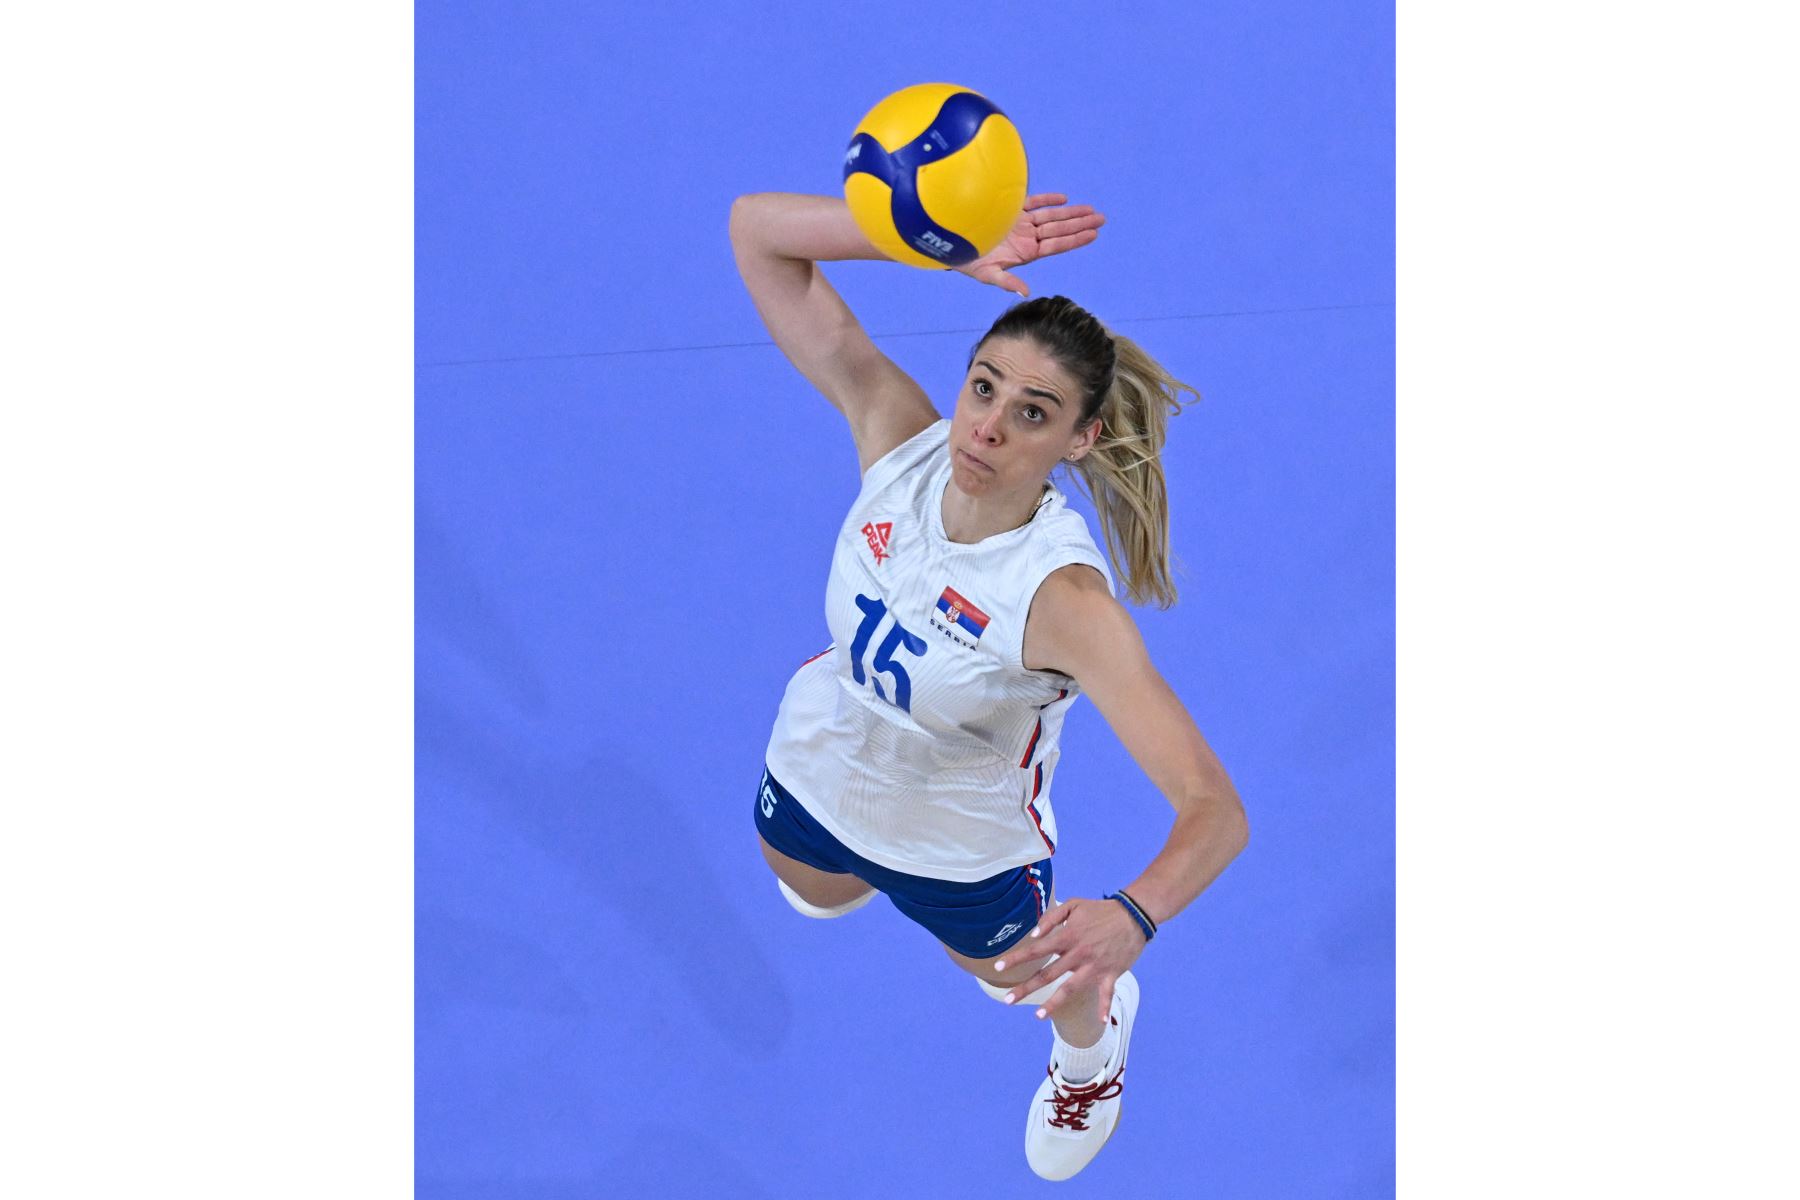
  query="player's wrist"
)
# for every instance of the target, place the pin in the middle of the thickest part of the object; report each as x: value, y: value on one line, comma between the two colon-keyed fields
x: 1146, y: 925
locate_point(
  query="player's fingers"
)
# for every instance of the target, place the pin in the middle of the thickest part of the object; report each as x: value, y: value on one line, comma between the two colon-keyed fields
x: 1065, y: 939
x: 1046, y: 973
x: 1003, y: 279
x: 1075, y: 983
x: 1021, y: 954
x: 1043, y: 198
x: 1050, y: 920
x: 1055, y: 939
x: 1106, y: 995
x: 1069, y: 221
x: 1058, y: 245
x: 1069, y: 214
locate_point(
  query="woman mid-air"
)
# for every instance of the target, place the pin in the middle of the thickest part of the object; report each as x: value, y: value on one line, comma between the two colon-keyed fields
x: 969, y: 607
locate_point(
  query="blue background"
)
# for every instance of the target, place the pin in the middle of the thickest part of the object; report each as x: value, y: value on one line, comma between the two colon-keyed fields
x: 626, y: 499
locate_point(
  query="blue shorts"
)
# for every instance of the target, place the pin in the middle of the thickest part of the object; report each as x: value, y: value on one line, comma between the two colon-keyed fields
x: 979, y: 920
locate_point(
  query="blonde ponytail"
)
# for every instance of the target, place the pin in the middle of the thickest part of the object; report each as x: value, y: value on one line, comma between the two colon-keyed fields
x: 1134, y: 397
x: 1123, y: 473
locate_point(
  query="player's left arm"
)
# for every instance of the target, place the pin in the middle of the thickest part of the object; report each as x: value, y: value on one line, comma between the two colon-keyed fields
x: 1078, y: 628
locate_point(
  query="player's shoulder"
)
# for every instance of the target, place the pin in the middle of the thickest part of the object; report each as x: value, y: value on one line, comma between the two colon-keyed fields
x: 1077, y: 587
x: 1073, y: 598
x: 1063, y: 538
x: 1072, y: 612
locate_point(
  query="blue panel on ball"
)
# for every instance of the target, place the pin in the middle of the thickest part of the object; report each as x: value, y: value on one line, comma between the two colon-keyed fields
x: 866, y: 155
x: 954, y: 127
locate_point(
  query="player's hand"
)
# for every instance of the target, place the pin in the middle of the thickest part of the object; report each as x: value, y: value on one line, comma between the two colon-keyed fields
x: 1096, y: 939
x: 1049, y: 225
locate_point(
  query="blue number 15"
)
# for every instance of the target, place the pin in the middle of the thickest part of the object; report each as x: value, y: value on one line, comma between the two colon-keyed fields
x: 873, y: 611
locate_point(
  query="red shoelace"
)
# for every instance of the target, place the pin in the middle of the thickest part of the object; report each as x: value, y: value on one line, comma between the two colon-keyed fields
x: 1072, y: 1103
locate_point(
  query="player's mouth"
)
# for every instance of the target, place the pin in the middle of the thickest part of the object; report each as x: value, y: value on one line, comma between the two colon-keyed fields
x: 975, y: 461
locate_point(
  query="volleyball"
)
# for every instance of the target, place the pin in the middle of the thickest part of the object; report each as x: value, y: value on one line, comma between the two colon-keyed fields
x: 935, y: 175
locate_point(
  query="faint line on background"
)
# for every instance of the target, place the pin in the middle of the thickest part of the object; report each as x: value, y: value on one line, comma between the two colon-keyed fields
x: 1248, y: 312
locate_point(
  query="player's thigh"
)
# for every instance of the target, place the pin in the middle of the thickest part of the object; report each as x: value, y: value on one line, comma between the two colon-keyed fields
x: 801, y: 852
x: 824, y: 889
x: 1021, y: 965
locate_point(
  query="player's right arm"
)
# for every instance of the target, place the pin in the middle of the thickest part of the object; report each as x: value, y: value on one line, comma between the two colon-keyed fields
x: 779, y: 239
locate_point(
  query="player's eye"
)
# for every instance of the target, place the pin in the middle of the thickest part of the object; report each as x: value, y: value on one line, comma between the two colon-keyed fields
x: 979, y: 384
x: 1033, y: 413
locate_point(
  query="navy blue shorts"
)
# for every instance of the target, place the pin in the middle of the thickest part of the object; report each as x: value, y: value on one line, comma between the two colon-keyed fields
x: 980, y: 919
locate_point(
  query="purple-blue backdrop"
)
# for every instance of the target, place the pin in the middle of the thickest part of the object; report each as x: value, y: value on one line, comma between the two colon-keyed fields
x: 625, y: 504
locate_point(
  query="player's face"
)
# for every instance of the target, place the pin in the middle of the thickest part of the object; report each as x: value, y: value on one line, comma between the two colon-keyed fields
x: 1016, y: 417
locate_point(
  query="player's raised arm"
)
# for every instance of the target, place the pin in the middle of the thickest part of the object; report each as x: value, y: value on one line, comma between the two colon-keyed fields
x: 779, y: 239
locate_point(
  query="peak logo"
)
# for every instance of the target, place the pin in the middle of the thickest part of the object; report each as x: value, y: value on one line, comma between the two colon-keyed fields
x: 879, y: 537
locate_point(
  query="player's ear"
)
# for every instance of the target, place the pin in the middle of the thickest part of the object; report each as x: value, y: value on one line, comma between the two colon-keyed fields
x: 1084, y: 441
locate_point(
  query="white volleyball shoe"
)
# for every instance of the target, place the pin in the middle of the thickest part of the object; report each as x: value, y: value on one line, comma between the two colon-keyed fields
x: 1069, y: 1122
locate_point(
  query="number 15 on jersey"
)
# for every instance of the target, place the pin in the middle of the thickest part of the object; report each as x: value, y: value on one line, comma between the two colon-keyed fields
x: 897, y: 638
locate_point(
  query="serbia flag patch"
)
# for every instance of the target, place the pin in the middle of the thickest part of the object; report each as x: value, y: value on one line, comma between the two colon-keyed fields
x: 958, y: 611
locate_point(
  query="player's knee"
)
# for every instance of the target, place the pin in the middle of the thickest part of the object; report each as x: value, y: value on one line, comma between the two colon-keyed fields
x: 814, y: 892
x: 1000, y: 991
x: 1020, y: 966
x: 823, y: 912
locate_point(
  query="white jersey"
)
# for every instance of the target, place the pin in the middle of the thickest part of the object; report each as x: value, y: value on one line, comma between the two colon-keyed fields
x: 918, y: 738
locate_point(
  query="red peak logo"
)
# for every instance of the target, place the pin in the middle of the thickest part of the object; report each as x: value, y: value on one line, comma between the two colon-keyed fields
x: 878, y: 536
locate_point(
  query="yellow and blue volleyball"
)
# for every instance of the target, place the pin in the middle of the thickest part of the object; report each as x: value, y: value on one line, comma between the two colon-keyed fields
x: 935, y: 175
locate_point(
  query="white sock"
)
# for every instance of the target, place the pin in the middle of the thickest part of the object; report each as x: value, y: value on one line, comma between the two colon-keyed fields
x: 1080, y: 1064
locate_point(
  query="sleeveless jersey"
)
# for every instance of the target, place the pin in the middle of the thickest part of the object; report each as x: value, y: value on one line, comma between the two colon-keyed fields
x: 918, y: 738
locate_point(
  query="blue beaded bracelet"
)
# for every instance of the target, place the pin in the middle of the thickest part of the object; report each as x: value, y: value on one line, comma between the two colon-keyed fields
x: 1137, y: 914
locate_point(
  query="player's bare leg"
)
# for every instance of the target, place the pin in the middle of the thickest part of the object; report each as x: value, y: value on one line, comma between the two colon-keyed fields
x: 822, y: 889
x: 1077, y: 1107
x: 1078, y: 1020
